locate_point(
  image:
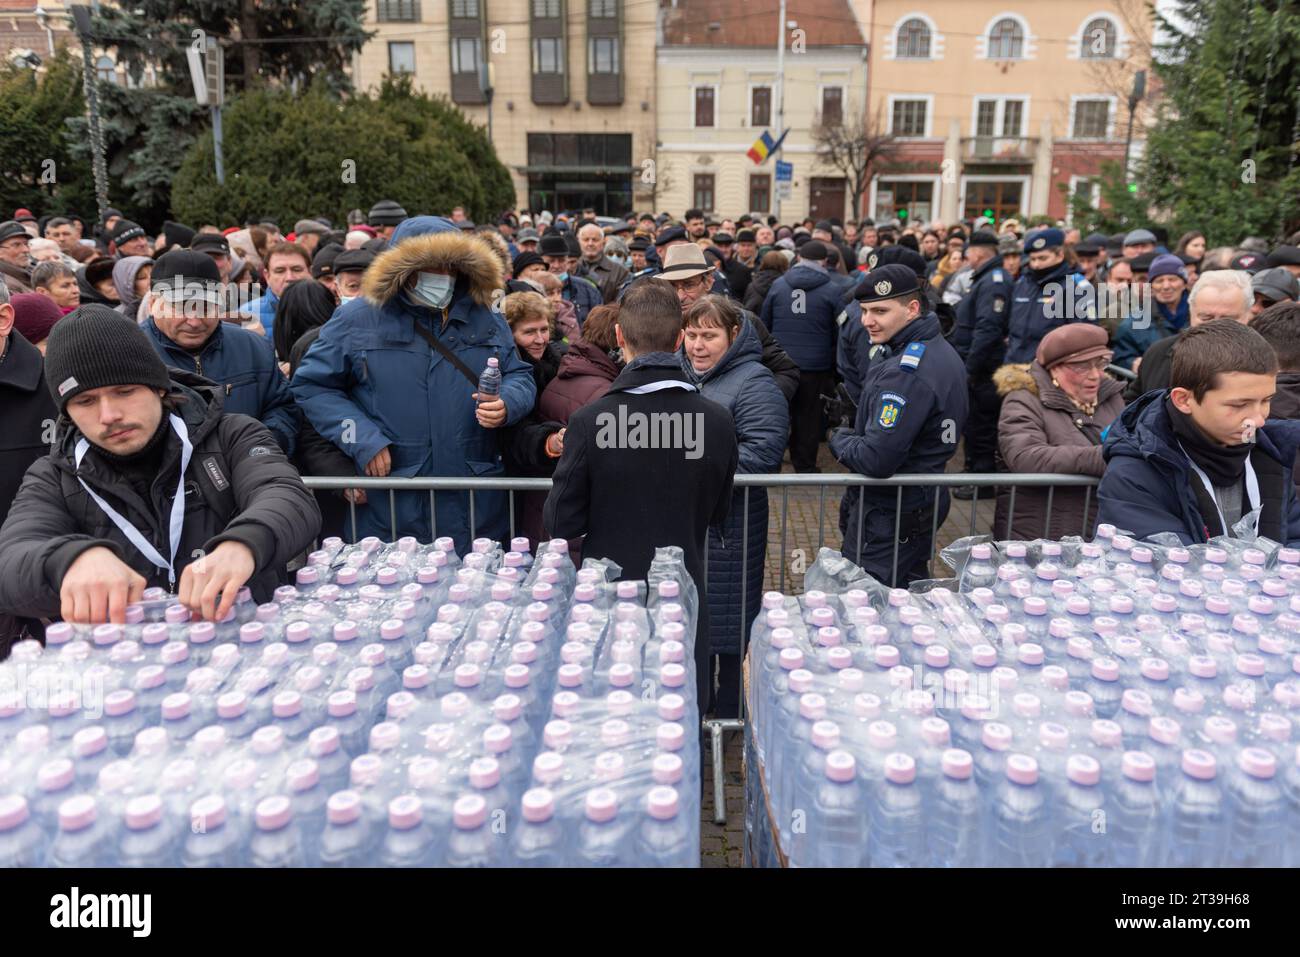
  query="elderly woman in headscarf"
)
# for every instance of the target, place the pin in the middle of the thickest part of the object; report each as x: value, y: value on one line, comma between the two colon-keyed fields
x: 131, y: 280
x: 1054, y: 411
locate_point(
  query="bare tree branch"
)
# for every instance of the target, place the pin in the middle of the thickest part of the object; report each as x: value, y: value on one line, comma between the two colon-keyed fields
x: 856, y: 148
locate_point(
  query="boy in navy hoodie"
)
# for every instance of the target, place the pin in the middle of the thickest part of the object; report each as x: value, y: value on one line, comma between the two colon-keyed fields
x: 1197, y: 458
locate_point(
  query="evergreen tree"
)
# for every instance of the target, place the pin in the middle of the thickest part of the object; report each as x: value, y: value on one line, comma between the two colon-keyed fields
x: 1223, y: 154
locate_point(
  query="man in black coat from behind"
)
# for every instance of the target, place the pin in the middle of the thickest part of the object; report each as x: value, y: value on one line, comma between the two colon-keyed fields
x: 651, y: 463
x: 149, y: 484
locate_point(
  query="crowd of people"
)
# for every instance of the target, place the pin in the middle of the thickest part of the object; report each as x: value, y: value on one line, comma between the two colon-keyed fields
x: 162, y: 393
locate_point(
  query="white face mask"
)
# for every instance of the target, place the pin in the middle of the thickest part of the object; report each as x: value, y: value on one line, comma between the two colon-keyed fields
x: 344, y: 300
x: 433, y: 289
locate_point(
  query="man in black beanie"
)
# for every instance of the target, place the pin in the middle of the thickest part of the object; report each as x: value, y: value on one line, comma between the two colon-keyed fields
x: 149, y: 484
x: 128, y: 239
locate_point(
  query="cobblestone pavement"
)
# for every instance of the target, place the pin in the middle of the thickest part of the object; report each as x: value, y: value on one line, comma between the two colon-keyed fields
x: 812, y: 520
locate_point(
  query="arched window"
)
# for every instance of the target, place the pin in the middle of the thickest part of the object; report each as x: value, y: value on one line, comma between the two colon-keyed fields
x: 913, y: 40
x: 1006, y: 40
x: 106, y: 70
x: 1098, y: 40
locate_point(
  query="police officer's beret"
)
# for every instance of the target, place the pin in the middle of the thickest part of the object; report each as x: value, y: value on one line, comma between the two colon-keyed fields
x: 1042, y: 239
x: 674, y: 235
x: 899, y: 255
x: 983, y: 237
x: 887, y: 282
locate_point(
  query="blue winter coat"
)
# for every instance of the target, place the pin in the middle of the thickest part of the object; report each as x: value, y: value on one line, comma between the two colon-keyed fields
x: 370, y: 382
x: 583, y: 294
x: 243, y: 364
x: 804, y: 324
x: 1149, y: 486
x: 1040, y: 305
x: 1137, y: 334
x: 742, y: 385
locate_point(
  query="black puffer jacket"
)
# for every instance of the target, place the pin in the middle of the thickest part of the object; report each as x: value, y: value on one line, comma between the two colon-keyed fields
x: 239, y: 487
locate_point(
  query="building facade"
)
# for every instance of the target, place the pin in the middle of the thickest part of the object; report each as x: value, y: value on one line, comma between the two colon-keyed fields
x: 719, y: 89
x: 571, y: 111
x: 1000, y: 111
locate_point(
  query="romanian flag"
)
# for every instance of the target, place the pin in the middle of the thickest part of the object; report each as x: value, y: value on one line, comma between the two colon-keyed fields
x: 764, y: 147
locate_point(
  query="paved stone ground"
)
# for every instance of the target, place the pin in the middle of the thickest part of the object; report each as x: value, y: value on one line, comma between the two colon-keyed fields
x: 812, y: 521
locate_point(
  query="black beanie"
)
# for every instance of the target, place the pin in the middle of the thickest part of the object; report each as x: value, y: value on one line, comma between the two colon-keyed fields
x: 95, y: 346
x: 177, y: 234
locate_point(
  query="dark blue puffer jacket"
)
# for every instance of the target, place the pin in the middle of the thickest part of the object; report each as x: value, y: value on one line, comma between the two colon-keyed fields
x: 742, y: 385
x: 800, y: 311
x: 1148, y: 486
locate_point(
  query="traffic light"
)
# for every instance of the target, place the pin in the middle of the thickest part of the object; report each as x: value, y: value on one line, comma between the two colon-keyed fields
x: 988, y: 214
x: 1132, y: 187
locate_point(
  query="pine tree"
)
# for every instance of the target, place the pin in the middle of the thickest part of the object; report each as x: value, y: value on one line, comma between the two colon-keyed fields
x: 1223, y: 153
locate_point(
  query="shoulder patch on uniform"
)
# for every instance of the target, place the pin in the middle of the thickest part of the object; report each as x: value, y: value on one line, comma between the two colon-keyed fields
x: 842, y: 317
x: 912, y: 356
x: 999, y: 303
x: 891, y: 407
x: 997, y: 275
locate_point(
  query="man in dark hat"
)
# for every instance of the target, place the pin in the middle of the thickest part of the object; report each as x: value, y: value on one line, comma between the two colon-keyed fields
x: 1089, y: 253
x: 151, y: 485
x: 217, y: 248
x: 1252, y: 262
x: 637, y: 252
x: 349, y: 268
x: 1287, y: 257
x: 15, y: 256
x: 909, y: 420
x: 186, y: 326
x: 736, y: 272
x: 581, y: 292
x: 1046, y: 295
x: 385, y: 216
x: 322, y: 265
x: 128, y: 239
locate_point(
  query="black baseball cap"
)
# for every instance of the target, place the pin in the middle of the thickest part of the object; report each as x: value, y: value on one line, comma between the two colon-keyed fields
x: 322, y: 264
x: 214, y: 244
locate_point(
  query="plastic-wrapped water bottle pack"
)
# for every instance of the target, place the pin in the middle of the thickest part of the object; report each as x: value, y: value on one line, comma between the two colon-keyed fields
x: 399, y: 706
x: 1105, y: 704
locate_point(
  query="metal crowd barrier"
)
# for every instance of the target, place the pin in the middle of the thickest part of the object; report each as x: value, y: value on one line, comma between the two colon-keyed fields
x: 788, y: 483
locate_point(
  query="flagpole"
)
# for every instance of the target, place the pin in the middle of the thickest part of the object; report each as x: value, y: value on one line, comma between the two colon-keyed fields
x: 780, y: 106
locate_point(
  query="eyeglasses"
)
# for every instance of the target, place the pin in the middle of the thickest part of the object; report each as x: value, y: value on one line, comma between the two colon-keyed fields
x: 1083, y: 368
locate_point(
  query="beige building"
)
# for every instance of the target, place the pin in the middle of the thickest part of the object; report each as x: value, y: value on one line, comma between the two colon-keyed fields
x: 1001, y: 109
x: 572, y: 108
x: 719, y: 89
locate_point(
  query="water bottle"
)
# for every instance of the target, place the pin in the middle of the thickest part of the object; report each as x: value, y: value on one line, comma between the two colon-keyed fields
x: 1136, y: 818
x: 539, y: 838
x: 980, y: 571
x: 84, y: 839
x: 471, y: 842
x: 489, y: 383
x: 1257, y: 822
x: 275, y: 841
x: 22, y: 840
x: 1022, y: 833
x: 897, y: 834
x: 954, y: 813
x: 149, y: 837
x: 122, y: 719
x: 348, y: 837
x: 408, y: 842
x: 56, y: 781
x: 667, y: 833
x: 1197, y: 812
x: 1081, y: 834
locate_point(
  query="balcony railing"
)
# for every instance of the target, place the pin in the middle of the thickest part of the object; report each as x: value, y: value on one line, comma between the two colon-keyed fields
x: 999, y: 149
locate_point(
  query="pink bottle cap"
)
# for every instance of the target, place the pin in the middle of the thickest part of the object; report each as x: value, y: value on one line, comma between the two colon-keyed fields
x: 1251, y: 665
x: 1046, y: 571
x: 286, y: 704
x: 671, y: 707
x: 1055, y: 677
x: 976, y: 707
x: 1078, y: 605
x: 812, y: 707
x: 1030, y: 654
x: 882, y: 735
x: 56, y: 775
x: 1257, y: 762
x: 1004, y: 678
x: 936, y: 656
x: 1054, y: 736
x: 454, y: 705
x: 1239, y: 697
x: 557, y: 734
x: 1275, y: 727
x: 1287, y: 694
x: 60, y: 704
x: 1217, y: 605
x: 1079, y: 647
x: 957, y: 764
x: 538, y: 805
x: 471, y: 675
x: 1220, y: 730
x: 118, y: 703
x: 13, y: 811
x: 210, y: 740
x: 1272, y: 644
x: 1033, y: 605
x: 151, y: 741
x: 1060, y: 628
x: 302, y: 775
x: 1022, y: 769
x: 1027, y: 705
x: 566, y: 704
x: 323, y: 741
x: 77, y: 813
x: 1188, y: 701
x: 1078, y: 703
x: 89, y: 741
x: 936, y: 732
x: 601, y: 805
x: 366, y: 770
x: 996, y: 736
x: 273, y: 813
x: 400, y: 704
x: 268, y: 740
x: 524, y: 652
x: 997, y: 614
x: 342, y: 703
x: 886, y: 656
x: 1105, y: 669
x: 1083, y: 769
x: 985, y: 656
x: 33, y: 739
x: 1138, y: 702
x: 900, y: 768
x: 326, y: 654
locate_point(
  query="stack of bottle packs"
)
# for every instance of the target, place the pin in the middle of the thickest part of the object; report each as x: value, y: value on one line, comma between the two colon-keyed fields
x: 1108, y: 704
x: 399, y: 706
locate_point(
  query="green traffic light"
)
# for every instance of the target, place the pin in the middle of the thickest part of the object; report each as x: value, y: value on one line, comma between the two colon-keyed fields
x: 988, y: 214
x: 902, y: 214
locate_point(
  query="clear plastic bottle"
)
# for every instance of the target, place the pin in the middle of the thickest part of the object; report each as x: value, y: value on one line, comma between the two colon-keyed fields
x: 472, y: 842
x: 85, y: 838
x: 539, y: 838
x: 214, y: 838
x: 1197, y: 813
x: 1136, y: 812
x: 408, y: 841
x: 897, y: 834
x: 1022, y: 833
x: 22, y: 840
x: 667, y: 836
x: 348, y: 837
x: 275, y: 841
x: 1258, y: 814
x: 954, y: 813
x: 1081, y: 815
x: 149, y: 837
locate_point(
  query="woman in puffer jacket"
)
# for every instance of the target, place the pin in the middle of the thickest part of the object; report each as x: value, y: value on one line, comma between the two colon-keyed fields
x: 587, y: 369
x: 722, y: 355
x: 1054, y: 411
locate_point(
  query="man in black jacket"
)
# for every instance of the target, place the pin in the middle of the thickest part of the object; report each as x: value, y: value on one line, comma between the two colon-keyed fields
x: 650, y: 463
x: 26, y: 409
x: 150, y: 485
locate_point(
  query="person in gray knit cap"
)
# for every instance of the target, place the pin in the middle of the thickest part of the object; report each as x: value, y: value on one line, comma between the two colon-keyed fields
x: 149, y: 484
x: 384, y: 216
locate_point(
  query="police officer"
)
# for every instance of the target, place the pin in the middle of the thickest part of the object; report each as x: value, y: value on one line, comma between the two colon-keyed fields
x: 1047, y: 294
x: 911, y: 415
x: 978, y: 340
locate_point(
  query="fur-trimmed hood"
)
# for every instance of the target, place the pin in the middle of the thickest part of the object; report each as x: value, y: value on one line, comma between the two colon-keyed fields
x: 432, y: 242
x: 1013, y: 376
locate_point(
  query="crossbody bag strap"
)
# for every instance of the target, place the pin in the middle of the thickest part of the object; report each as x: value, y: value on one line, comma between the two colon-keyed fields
x: 447, y: 354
